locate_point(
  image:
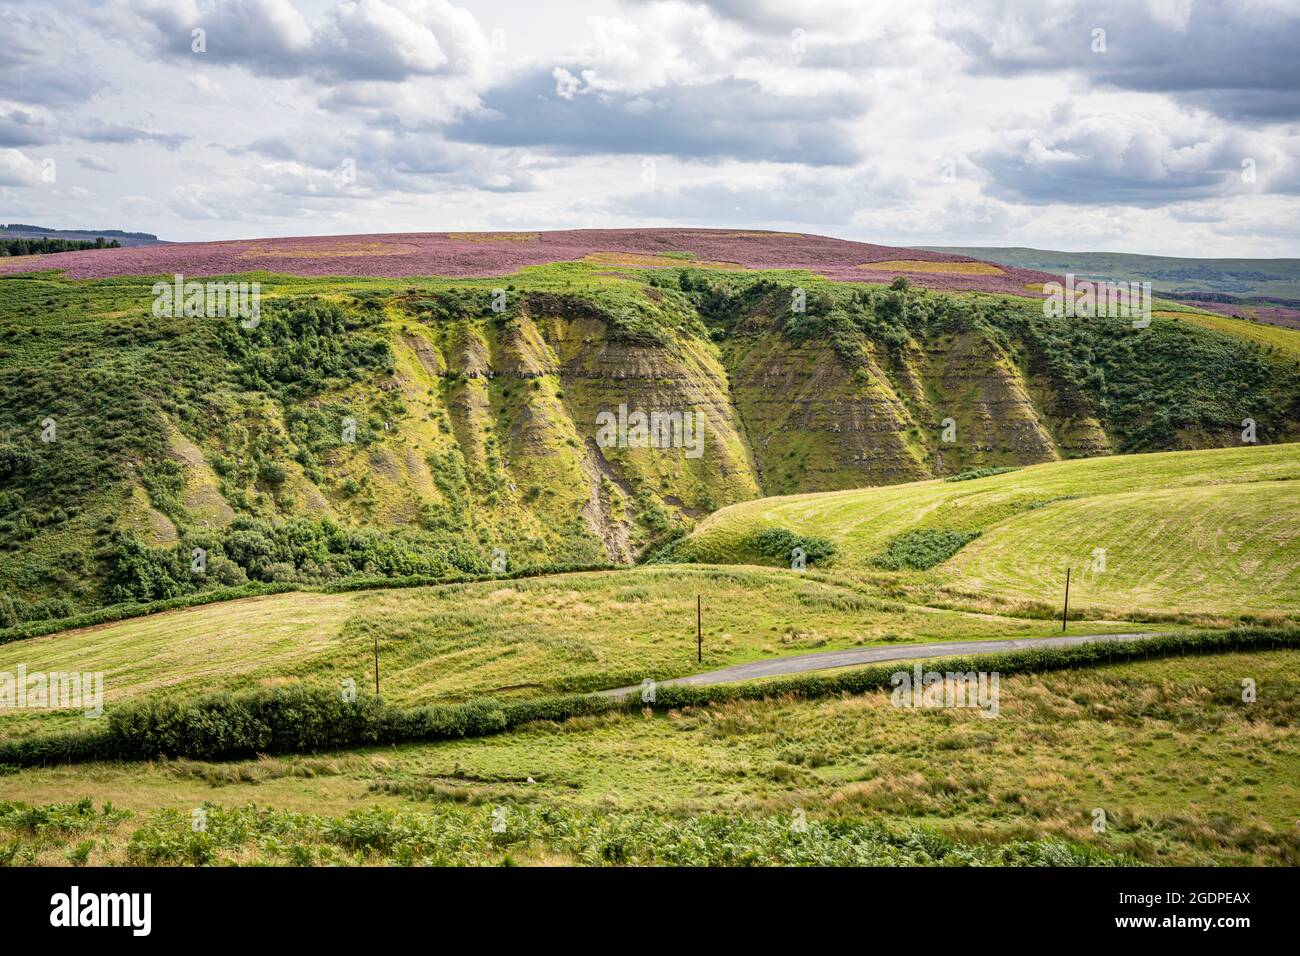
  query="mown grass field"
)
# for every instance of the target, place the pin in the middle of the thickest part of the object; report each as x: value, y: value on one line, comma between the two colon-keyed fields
x: 1185, y: 770
x: 530, y: 637
x: 1199, y: 532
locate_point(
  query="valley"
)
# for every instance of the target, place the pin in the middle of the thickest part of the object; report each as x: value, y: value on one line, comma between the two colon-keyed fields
x: 435, y: 484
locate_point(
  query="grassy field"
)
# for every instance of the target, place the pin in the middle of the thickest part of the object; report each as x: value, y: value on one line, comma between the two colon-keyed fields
x: 1184, y: 769
x: 529, y: 637
x: 1210, y: 532
x: 1186, y: 772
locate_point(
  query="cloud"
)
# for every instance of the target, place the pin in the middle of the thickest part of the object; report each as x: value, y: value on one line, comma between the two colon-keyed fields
x: 812, y: 198
x: 17, y: 169
x: 356, y: 40
x: 725, y: 118
x: 96, y: 164
x: 1110, y: 160
x: 772, y: 15
x: 19, y: 127
x: 1237, y: 60
x: 40, y: 60
x: 97, y: 131
x: 400, y: 161
x: 196, y: 201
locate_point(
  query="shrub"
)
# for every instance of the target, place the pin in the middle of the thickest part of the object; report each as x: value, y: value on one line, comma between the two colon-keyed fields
x: 922, y: 548
x: 778, y: 543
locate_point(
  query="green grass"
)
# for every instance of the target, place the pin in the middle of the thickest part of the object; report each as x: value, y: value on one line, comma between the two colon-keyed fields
x: 170, y: 429
x: 81, y: 834
x: 1187, y: 773
x: 509, y: 639
x: 1213, y: 532
x: 176, y: 427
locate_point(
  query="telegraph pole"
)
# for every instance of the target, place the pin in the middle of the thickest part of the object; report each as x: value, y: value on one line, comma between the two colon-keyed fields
x: 1066, y: 610
x: 699, y: 633
x: 376, y: 665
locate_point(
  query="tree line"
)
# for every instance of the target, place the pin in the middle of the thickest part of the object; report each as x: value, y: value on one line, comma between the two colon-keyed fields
x: 42, y: 245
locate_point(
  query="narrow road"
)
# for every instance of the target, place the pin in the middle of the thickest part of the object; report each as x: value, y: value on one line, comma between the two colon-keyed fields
x: 824, y: 660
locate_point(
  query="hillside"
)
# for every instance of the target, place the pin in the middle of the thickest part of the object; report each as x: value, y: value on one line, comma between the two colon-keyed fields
x: 478, y: 254
x: 1207, y: 531
x: 474, y: 403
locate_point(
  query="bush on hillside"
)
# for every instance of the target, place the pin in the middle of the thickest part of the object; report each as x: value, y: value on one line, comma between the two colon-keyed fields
x: 779, y: 543
x: 922, y: 548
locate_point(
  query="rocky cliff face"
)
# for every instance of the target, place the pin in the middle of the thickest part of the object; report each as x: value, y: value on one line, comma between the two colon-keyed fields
x: 499, y: 428
x: 591, y: 420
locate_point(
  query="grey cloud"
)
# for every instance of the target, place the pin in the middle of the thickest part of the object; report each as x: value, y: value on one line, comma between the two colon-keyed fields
x: 1236, y: 60
x: 97, y: 131
x: 410, y: 162
x: 96, y: 164
x: 728, y: 118
x: 40, y: 61
x: 767, y: 15
x: 1097, y: 163
x: 20, y: 128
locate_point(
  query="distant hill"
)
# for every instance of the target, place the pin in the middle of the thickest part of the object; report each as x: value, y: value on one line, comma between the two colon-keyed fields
x: 1263, y: 278
x: 19, y: 230
x: 1263, y: 290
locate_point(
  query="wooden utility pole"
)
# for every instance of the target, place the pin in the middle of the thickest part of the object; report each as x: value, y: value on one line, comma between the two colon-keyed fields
x: 376, y: 665
x: 699, y: 633
x: 1066, y: 610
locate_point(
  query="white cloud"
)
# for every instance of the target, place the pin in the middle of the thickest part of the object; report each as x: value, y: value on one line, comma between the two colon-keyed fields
x: 18, y: 169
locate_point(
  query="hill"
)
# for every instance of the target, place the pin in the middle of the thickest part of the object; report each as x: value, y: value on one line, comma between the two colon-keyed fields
x: 478, y: 254
x: 372, y: 427
x: 1259, y: 290
x: 1245, y: 277
x: 1206, y: 531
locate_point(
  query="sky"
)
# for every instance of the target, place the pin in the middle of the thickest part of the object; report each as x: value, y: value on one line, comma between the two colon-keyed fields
x: 1166, y: 127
